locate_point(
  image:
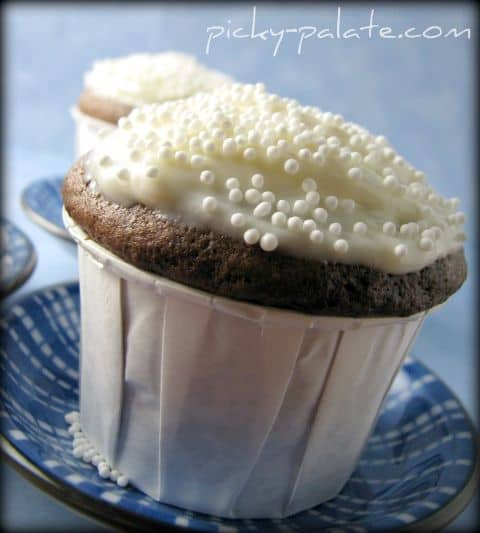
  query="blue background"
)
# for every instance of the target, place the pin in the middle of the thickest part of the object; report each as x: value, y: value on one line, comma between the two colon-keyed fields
x: 419, y: 93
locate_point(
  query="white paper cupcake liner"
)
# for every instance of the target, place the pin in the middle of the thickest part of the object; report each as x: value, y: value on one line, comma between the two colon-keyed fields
x: 87, y: 131
x: 224, y: 407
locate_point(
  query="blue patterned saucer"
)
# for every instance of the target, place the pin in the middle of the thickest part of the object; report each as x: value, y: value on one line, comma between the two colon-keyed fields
x: 17, y: 257
x: 42, y: 203
x: 418, y: 470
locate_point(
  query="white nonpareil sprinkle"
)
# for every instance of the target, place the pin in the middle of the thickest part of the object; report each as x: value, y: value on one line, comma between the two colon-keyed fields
x: 295, y: 224
x: 331, y: 202
x: 273, y: 152
x: 263, y: 209
x: 207, y: 176
x: 123, y: 174
x: 284, y: 206
x: 320, y: 214
x: 405, y: 229
x: 84, y: 450
x: 341, y: 246
x: 197, y: 160
x: 135, y: 155
x: 291, y: 166
x: 335, y: 228
x: 240, y: 140
x: 232, y: 183
x: 153, y: 172
x: 355, y: 173
x: 72, y: 417
x: 122, y: 481
x: 429, y: 234
x: 209, y: 204
x: 268, y: 242
x: 165, y: 152
x: 235, y: 195
x: 105, y: 161
x: 252, y: 196
x: 360, y: 228
x: 410, y: 230
x: 309, y: 225
x: 195, y: 143
x: 390, y: 181
x: 229, y: 146
x: 316, y: 236
x: 309, y: 185
x: 251, y: 236
x: 400, y: 250
x: 312, y: 197
x: 114, y: 475
x: 389, y: 228
x: 257, y: 181
x: 180, y: 156
x: 268, y: 196
x: 300, y: 207
x: 454, y: 203
x: 319, y: 158
x: 279, y: 219
x: 238, y: 220
x: 426, y: 244
x: 208, y: 146
x: 304, y: 154
x: 250, y: 153
x: 103, y: 471
x: 253, y: 137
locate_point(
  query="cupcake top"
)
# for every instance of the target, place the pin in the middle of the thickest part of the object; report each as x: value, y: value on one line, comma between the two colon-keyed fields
x: 147, y: 78
x: 278, y: 175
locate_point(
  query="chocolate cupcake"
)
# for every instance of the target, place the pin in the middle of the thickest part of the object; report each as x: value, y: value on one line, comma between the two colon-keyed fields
x: 262, y: 269
x: 114, y: 87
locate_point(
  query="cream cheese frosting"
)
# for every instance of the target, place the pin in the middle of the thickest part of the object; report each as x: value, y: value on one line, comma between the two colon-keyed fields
x: 139, y: 79
x: 278, y: 175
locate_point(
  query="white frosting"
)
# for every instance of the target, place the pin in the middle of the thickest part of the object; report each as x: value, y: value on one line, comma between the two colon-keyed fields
x: 140, y: 79
x: 278, y: 175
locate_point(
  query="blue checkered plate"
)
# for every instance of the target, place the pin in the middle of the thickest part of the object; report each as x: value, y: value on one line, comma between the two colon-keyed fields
x: 42, y: 203
x: 418, y: 470
x: 17, y: 257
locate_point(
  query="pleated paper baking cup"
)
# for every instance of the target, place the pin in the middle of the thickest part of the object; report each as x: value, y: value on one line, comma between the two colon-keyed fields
x: 223, y: 407
x: 87, y: 131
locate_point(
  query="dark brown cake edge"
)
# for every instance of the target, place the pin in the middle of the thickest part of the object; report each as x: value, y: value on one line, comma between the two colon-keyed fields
x: 224, y: 266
